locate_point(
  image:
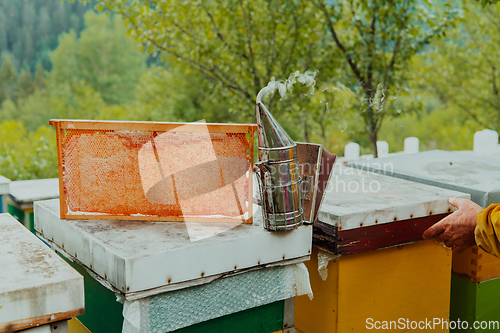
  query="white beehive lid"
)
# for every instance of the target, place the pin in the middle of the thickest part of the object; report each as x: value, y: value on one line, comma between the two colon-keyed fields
x: 37, y: 286
x: 25, y: 192
x: 134, y: 256
x: 478, y: 176
x: 356, y: 198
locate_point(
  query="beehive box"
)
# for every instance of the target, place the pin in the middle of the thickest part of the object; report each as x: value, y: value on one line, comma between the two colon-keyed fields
x: 23, y: 193
x: 370, y: 227
x: 466, y: 173
x: 38, y: 288
x: 198, y: 276
x: 4, y: 191
x: 155, y: 171
x: 471, y: 174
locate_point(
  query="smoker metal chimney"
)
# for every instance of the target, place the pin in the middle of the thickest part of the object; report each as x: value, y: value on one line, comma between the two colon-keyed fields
x: 279, y: 176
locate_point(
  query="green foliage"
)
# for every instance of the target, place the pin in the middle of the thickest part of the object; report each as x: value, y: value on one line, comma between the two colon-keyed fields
x: 8, y: 81
x: 29, y: 29
x: 103, y: 58
x: 468, y: 63
x: 237, y: 45
x: 402, y: 78
x: 25, y: 86
x: 443, y: 128
x: 488, y: 2
x: 175, y: 95
x: 377, y: 40
x: 240, y: 45
x: 27, y: 155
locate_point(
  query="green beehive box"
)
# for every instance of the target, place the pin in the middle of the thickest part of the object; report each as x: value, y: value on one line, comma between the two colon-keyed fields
x: 23, y: 193
x: 104, y: 314
x: 475, y: 303
x: 4, y: 192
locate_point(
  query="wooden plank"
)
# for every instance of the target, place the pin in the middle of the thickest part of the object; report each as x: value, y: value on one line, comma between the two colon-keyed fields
x: 471, y: 174
x: 364, y: 239
x: 354, y: 241
x: 472, y: 302
x: 122, y: 249
x: 319, y: 315
x: 62, y: 194
x: 37, y: 287
x: 23, y: 324
x: 265, y: 318
x: 356, y: 198
x: 410, y: 281
x: 462, y: 301
x: 250, y: 176
x: 488, y: 305
x: 152, y: 126
x: 75, y: 326
x: 325, y: 237
x: 476, y: 265
x: 103, y: 313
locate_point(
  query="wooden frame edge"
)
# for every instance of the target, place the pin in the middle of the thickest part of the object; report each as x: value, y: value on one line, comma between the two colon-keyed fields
x: 151, y: 126
x: 62, y: 194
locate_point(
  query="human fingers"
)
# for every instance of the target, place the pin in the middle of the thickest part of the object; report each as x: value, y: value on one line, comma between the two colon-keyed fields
x: 449, y: 243
x: 457, y: 202
x: 441, y: 238
x: 434, y: 230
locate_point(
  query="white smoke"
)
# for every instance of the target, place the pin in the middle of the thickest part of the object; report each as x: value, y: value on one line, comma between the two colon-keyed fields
x: 284, y: 87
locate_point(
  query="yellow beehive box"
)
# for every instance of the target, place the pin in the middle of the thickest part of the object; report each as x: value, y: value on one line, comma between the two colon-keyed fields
x: 476, y: 265
x: 401, y: 287
x: 370, y: 268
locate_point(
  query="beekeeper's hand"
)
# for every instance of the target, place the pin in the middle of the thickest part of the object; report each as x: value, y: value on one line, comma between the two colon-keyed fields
x: 457, y: 229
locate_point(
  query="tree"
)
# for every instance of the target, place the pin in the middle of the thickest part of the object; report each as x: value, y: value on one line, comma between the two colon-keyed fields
x: 25, y: 87
x: 468, y: 63
x: 237, y: 45
x: 8, y: 81
x: 39, y: 82
x: 377, y: 39
x: 488, y: 2
x: 29, y: 29
x: 103, y: 58
x: 26, y: 155
x: 174, y: 95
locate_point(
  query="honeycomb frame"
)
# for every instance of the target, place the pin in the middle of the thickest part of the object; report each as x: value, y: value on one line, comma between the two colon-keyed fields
x: 230, y: 142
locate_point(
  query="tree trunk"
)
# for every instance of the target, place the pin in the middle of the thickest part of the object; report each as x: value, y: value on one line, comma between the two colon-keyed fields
x: 323, y: 134
x: 306, y: 132
x: 373, y: 141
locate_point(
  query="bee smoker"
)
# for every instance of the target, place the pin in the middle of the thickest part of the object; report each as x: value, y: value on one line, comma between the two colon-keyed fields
x: 279, y: 173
